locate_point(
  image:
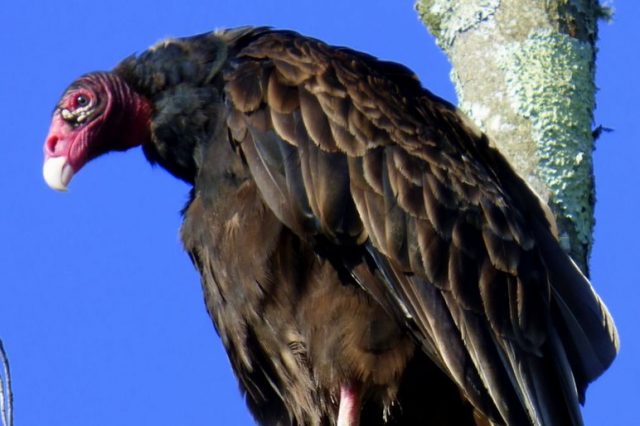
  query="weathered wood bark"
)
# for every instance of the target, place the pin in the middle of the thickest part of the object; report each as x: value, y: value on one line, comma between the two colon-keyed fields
x: 524, y: 72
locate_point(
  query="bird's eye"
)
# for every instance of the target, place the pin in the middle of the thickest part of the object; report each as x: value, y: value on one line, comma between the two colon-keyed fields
x: 82, y: 100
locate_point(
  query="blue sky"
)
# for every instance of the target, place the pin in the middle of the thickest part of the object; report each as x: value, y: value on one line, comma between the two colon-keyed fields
x: 100, y: 309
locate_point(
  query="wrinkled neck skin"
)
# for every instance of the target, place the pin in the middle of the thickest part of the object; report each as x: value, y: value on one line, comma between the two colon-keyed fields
x: 128, y: 116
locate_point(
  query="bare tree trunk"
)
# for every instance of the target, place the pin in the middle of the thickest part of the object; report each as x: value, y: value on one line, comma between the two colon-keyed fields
x: 524, y: 72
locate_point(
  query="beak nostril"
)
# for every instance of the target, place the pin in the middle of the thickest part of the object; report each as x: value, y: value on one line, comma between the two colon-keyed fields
x: 50, y: 145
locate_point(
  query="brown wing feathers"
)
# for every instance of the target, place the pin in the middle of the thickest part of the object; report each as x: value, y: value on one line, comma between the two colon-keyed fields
x: 340, y: 150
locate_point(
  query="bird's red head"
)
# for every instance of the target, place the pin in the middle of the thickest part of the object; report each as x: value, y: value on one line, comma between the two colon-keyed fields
x: 97, y: 114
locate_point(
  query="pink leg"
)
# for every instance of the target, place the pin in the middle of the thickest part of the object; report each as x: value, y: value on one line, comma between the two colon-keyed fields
x: 349, y: 409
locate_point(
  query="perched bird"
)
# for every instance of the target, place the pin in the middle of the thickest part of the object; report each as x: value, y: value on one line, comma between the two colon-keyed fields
x: 366, y: 255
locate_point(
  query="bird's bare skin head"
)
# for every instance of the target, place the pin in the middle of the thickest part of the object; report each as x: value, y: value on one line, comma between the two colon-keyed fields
x: 98, y: 113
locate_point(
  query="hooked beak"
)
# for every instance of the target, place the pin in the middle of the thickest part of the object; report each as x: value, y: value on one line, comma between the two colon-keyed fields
x: 57, y: 173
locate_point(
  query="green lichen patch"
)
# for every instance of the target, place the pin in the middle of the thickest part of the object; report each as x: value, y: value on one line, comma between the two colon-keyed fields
x: 550, y: 81
x: 447, y: 18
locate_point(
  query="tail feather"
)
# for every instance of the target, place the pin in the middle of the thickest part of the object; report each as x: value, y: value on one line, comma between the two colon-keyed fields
x: 590, y: 337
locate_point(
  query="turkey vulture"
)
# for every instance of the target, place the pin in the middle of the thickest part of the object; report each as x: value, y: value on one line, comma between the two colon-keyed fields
x: 366, y: 255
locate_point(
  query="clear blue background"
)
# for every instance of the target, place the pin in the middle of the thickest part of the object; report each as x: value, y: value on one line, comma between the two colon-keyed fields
x: 100, y: 309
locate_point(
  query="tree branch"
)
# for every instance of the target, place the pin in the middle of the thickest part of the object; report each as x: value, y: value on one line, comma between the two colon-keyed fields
x: 6, y: 393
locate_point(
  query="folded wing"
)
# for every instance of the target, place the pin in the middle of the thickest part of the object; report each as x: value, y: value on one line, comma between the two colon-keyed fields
x: 353, y: 151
